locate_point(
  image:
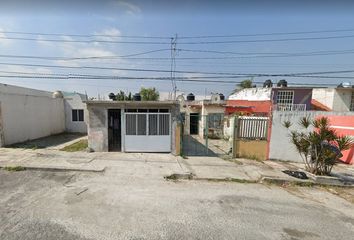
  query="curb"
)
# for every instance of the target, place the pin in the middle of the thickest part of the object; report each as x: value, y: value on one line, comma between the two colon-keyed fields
x: 57, y: 169
x: 303, y: 183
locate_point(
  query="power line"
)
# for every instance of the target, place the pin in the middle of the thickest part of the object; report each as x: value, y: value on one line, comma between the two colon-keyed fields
x: 141, y: 78
x: 81, y: 41
x: 267, y: 34
x: 268, y: 40
x: 82, y: 58
x: 90, y: 76
x: 130, y: 56
x: 182, y: 43
x: 177, y: 71
x: 181, y: 37
x: 84, y: 35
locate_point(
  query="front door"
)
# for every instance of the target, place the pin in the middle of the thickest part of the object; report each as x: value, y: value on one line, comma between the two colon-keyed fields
x: 194, y: 123
x: 114, y: 130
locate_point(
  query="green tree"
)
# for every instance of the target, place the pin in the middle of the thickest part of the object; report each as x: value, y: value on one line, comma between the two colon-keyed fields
x: 121, y: 96
x: 245, y: 84
x: 149, y: 94
x: 321, y: 147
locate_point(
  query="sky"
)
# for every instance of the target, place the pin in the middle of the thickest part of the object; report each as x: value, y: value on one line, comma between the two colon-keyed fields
x: 115, y: 29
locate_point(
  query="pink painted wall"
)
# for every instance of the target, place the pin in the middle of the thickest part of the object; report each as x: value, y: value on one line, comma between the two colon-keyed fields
x: 344, y: 125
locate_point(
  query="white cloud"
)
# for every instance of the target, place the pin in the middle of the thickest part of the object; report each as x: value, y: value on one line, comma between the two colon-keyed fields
x: 25, y: 70
x: 3, y: 40
x: 128, y: 7
x: 109, y: 34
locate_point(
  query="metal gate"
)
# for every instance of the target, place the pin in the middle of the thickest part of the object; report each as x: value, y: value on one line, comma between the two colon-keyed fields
x: 210, y: 140
x: 147, y: 132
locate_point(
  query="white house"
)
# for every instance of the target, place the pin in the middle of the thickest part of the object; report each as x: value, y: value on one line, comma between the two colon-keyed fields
x: 340, y: 99
x: 27, y: 114
x: 75, y: 112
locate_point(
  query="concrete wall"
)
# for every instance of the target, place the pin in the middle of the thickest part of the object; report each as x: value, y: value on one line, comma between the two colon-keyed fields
x: 324, y: 96
x: 29, y: 114
x: 75, y: 101
x: 280, y: 146
x: 342, y: 99
x: 252, y: 149
x: 98, y: 128
x: 337, y: 99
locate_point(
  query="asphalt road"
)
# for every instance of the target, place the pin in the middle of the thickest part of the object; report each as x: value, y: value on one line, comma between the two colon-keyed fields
x: 68, y: 205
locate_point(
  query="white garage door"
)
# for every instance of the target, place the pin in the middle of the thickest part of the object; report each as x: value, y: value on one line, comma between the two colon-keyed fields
x: 147, y: 132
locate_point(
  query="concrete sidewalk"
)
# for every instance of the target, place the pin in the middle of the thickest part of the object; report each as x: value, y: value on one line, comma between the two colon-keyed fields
x: 245, y: 170
x: 121, y: 163
x: 214, y: 168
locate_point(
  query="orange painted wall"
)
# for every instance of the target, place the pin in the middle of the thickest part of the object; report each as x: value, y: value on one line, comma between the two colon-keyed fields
x: 252, y: 107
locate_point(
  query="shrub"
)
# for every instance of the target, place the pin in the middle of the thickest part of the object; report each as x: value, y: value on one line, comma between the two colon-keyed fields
x: 321, y: 147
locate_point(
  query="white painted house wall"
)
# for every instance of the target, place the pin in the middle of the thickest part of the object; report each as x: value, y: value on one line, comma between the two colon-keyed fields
x: 252, y: 94
x: 29, y: 114
x: 337, y: 99
x: 75, y: 101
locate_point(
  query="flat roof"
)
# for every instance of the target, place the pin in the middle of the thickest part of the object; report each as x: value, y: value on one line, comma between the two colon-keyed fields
x: 131, y: 103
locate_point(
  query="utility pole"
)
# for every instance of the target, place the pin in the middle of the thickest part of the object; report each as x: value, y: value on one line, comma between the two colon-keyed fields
x: 173, y: 65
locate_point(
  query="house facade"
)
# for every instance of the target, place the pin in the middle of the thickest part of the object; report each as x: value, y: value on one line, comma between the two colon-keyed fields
x: 133, y: 126
x: 203, y: 117
x: 27, y: 114
x: 76, y: 114
x: 340, y: 99
x: 262, y: 101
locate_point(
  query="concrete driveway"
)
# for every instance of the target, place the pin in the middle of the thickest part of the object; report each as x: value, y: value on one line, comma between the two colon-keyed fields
x: 76, y: 205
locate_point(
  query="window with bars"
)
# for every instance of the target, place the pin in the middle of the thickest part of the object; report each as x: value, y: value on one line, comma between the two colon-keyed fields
x: 352, y: 102
x: 77, y: 115
x: 152, y: 124
x: 285, y: 97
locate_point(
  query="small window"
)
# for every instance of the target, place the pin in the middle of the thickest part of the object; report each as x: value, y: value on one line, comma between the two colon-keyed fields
x: 77, y: 115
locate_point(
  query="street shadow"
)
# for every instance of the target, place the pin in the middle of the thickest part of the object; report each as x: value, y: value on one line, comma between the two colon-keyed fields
x: 48, y: 142
x: 194, y: 147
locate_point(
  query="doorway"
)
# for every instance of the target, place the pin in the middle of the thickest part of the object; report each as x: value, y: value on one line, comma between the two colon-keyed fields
x: 194, y: 123
x: 114, y: 130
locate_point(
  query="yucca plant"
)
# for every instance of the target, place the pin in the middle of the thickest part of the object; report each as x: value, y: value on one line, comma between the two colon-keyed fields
x: 321, y: 147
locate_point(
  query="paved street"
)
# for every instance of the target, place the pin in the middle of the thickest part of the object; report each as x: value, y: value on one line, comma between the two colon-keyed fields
x: 128, y: 205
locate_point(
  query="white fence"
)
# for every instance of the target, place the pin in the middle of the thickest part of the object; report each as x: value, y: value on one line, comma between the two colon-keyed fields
x: 290, y: 107
x: 252, y: 128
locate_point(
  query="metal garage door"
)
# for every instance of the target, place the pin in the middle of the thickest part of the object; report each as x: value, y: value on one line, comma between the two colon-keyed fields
x: 147, y: 132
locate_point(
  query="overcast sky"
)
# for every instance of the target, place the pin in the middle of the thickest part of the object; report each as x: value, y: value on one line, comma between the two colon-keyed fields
x: 119, y: 19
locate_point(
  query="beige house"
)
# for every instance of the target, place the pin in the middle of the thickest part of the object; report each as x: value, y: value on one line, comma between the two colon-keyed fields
x: 203, y: 117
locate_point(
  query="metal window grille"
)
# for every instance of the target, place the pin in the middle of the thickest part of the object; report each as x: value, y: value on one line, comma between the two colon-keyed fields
x: 130, y: 124
x: 164, y: 124
x: 141, y: 124
x: 285, y: 97
x: 153, y: 124
x: 77, y: 115
x: 147, y: 123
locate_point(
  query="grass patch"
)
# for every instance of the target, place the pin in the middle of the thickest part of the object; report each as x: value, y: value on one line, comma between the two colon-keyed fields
x: 25, y: 146
x: 76, y: 147
x: 14, y: 168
